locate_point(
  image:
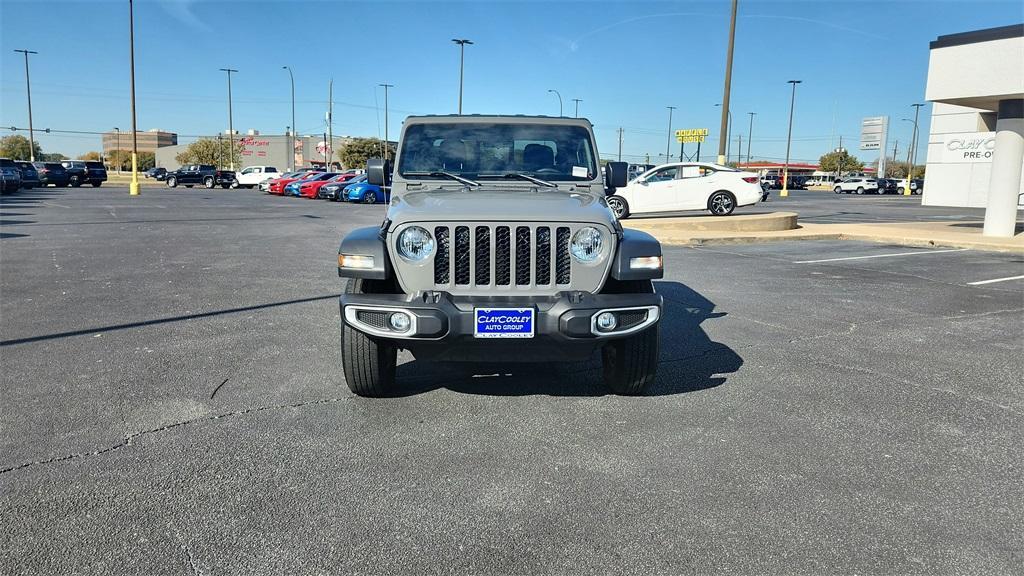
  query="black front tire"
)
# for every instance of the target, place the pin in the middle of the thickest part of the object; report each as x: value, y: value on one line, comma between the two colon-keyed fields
x: 208, y: 182
x: 96, y: 184
x: 75, y: 182
x: 368, y: 363
x: 172, y: 182
x: 631, y: 363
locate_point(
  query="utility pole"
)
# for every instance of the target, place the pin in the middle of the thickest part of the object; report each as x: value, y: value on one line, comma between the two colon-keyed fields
x: 789, y: 137
x: 620, y: 143
x: 462, y: 60
x: 739, y: 148
x: 577, y: 101
x: 728, y: 84
x: 133, y: 186
x: 28, y: 88
x: 750, y: 134
x: 330, y: 124
x: 291, y: 134
x: 895, y: 147
x: 231, y: 124
x: 387, y: 148
x: 119, y: 159
x: 911, y: 160
x: 668, y: 141
x: 557, y: 93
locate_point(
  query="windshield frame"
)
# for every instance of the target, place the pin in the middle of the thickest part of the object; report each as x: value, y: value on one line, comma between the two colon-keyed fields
x: 569, y: 146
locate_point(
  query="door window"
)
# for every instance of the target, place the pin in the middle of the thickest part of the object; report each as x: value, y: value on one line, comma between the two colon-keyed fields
x: 697, y: 171
x: 663, y: 175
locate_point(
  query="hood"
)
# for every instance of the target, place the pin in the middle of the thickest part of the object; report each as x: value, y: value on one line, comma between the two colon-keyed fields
x: 520, y: 204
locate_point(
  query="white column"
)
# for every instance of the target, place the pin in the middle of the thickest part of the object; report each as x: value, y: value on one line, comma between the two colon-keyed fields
x: 1007, y: 159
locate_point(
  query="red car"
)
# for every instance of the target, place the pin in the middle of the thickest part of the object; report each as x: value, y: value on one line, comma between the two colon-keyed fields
x: 311, y: 189
x: 277, y: 185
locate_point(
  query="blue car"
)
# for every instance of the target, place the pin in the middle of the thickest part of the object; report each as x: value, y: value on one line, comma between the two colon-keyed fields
x: 365, y: 192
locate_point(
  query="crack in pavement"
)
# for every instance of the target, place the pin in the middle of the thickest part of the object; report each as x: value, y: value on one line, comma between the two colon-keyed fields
x: 130, y: 438
x: 193, y: 564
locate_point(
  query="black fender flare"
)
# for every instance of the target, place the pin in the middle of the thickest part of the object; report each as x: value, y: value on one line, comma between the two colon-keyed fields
x: 367, y: 241
x: 636, y: 244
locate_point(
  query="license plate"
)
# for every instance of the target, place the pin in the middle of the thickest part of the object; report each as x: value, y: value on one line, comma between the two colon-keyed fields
x: 503, y: 322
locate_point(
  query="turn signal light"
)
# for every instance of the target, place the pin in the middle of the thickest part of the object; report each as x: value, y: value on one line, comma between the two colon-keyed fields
x: 355, y: 261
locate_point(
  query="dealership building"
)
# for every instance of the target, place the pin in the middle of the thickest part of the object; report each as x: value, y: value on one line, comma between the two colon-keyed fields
x: 268, y: 150
x: 976, y: 139
x: 148, y: 141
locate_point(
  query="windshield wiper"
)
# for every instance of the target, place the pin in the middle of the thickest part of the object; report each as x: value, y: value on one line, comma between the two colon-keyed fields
x: 447, y: 175
x: 511, y: 175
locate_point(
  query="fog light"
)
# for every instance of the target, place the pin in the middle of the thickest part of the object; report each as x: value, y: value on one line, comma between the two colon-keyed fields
x: 606, y: 322
x: 399, y: 321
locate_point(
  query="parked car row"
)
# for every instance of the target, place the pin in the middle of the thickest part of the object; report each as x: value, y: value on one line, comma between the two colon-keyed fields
x: 348, y: 186
x: 864, y: 185
x: 18, y: 174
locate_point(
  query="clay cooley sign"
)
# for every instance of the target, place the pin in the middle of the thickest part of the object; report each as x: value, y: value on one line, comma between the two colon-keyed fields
x: 969, y: 147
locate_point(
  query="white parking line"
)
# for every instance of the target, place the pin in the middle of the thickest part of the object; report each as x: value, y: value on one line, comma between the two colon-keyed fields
x: 980, y: 282
x: 879, y: 256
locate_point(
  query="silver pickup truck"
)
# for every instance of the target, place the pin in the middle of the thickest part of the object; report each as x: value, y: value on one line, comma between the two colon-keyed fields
x: 498, y: 246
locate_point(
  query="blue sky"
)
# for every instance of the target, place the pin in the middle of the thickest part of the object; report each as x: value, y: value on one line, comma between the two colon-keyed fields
x: 627, y: 61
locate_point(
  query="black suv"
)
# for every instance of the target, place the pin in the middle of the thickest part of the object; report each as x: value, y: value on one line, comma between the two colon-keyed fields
x: 52, y: 173
x: 886, y: 185
x: 29, y: 175
x: 81, y: 172
x: 206, y: 174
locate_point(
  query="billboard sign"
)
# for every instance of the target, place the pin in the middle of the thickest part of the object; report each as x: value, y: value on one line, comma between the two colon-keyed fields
x: 873, y: 132
x: 691, y: 135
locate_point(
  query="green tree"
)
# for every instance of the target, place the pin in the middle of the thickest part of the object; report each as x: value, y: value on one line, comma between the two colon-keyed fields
x: 840, y: 162
x: 216, y: 151
x: 359, y: 150
x: 91, y: 156
x: 51, y: 157
x: 898, y: 169
x: 122, y: 160
x: 16, y: 147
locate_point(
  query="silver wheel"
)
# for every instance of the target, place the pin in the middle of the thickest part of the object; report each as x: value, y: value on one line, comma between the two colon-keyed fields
x: 369, y: 198
x: 172, y: 182
x: 860, y: 190
x: 208, y: 182
x: 838, y: 190
x: 618, y: 206
x: 721, y: 203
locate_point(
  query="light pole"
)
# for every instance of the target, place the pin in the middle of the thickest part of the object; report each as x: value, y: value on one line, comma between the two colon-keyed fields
x: 291, y: 137
x: 577, y: 112
x: 789, y: 136
x: 118, y: 150
x: 231, y: 125
x: 28, y: 88
x: 728, y: 83
x: 911, y: 160
x: 668, y: 138
x: 462, y: 61
x: 559, y: 102
x: 728, y: 136
x: 750, y: 135
x: 387, y: 150
x: 133, y: 186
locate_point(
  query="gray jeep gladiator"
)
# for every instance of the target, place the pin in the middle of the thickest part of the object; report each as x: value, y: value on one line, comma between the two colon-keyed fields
x: 498, y: 246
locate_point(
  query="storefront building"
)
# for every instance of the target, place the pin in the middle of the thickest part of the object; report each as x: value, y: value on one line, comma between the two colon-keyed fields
x: 976, y: 139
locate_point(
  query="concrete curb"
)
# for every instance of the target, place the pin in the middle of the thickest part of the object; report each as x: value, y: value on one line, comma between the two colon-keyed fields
x: 769, y: 222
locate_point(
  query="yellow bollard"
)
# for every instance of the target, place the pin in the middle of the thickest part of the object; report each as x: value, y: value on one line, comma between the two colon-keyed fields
x: 785, y: 184
x: 133, y: 188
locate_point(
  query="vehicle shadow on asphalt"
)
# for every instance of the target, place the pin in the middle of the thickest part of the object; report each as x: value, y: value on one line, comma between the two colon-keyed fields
x: 689, y: 361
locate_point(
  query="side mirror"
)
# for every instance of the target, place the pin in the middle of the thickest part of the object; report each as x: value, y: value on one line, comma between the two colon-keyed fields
x: 615, y: 175
x: 378, y: 172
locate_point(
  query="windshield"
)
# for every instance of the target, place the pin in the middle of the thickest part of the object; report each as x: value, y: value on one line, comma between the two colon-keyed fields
x: 490, y: 150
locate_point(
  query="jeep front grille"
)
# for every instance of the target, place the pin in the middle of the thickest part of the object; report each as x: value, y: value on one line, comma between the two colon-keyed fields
x: 523, y: 254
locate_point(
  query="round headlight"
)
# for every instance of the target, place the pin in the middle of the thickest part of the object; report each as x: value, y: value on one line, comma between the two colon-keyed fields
x: 415, y: 244
x: 586, y: 244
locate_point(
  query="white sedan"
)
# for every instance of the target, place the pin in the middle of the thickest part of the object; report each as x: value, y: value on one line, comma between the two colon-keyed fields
x: 687, y: 186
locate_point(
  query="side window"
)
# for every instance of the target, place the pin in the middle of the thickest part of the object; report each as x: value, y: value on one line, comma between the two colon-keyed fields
x: 247, y: 171
x: 697, y: 171
x: 663, y: 175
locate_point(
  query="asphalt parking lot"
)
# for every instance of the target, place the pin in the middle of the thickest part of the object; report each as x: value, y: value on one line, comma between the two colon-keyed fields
x: 173, y: 403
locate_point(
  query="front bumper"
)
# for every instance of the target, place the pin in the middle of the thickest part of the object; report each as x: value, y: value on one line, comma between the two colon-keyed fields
x: 442, y: 326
